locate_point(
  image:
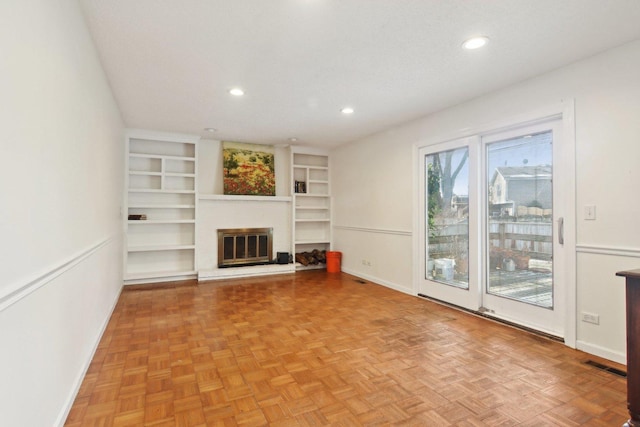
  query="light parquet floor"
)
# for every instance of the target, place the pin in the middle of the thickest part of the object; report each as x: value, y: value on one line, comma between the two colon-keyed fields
x: 316, y: 349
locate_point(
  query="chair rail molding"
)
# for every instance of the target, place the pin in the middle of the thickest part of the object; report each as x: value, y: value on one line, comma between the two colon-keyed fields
x: 22, y: 289
x: 609, y: 250
x: 374, y: 230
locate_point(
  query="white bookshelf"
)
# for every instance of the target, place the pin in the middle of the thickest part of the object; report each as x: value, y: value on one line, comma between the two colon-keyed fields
x: 311, y: 204
x: 161, y: 184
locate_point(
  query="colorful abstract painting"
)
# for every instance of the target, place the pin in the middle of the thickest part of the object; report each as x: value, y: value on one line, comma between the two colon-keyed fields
x: 248, y: 169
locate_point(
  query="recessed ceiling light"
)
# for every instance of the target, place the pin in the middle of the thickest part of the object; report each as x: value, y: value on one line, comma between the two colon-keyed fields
x: 475, y: 42
x: 293, y: 139
x: 347, y: 110
x: 236, y: 91
x: 211, y: 130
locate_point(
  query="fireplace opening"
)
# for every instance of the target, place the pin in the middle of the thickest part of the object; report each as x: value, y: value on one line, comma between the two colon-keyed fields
x: 239, y: 247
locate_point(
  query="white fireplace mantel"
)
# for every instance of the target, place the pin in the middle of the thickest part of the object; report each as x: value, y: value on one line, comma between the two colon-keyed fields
x: 232, y: 198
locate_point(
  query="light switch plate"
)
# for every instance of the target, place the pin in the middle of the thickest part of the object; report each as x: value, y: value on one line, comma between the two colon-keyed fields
x: 590, y: 212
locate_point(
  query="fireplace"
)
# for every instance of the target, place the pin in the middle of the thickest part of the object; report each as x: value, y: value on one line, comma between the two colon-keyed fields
x: 244, y: 246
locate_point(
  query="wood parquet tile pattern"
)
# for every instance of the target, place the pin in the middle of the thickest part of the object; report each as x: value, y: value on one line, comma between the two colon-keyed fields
x: 317, y: 349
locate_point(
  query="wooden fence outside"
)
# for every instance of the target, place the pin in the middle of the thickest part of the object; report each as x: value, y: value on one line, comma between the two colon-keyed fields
x: 533, y: 238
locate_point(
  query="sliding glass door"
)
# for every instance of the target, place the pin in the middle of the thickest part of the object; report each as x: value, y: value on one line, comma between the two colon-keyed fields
x: 491, y: 233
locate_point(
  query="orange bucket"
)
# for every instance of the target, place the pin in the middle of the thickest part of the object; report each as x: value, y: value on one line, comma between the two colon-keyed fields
x: 334, y: 259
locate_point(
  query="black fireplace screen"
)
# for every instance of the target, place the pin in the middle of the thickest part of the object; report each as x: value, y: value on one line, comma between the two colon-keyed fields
x: 244, y: 246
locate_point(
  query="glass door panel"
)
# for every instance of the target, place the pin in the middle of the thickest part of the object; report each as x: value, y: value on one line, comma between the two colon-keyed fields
x: 520, y: 219
x: 447, y: 175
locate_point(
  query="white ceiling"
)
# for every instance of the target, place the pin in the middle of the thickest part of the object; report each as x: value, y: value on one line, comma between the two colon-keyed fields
x: 171, y: 63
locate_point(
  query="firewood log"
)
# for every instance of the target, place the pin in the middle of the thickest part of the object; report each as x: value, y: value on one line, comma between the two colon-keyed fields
x: 302, y: 259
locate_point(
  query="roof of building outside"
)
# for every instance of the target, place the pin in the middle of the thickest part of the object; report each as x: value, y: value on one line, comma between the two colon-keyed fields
x: 510, y: 172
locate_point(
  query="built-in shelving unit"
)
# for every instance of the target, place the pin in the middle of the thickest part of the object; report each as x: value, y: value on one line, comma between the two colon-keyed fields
x: 161, y: 191
x: 311, y: 205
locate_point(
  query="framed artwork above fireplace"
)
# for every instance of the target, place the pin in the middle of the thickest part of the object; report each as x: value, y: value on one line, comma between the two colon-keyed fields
x: 248, y: 169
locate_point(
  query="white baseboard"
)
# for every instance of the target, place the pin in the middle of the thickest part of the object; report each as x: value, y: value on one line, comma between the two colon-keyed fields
x: 163, y: 279
x: 64, y: 413
x: 379, y: 281
x: 605, y: 353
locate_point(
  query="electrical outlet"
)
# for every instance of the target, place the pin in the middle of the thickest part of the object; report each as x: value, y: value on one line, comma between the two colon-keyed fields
x: 591, y: 318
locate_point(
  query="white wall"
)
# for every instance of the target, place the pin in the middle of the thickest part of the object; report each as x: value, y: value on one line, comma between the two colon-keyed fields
x: 60, y: 223
x: 373, y: 188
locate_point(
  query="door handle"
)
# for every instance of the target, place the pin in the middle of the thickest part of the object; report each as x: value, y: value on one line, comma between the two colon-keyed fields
x: 561, y: 230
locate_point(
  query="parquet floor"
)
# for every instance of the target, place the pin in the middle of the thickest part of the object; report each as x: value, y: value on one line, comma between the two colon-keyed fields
x: 316, y: 349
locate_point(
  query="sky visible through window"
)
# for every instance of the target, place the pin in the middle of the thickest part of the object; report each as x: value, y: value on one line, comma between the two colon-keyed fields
x: 526, y: 150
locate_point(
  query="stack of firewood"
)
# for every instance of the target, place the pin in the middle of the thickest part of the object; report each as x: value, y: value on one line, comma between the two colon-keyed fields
x: 314, y: 257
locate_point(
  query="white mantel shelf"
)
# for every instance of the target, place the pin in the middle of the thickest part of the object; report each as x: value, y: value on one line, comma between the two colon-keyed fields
x: 232, y: 198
